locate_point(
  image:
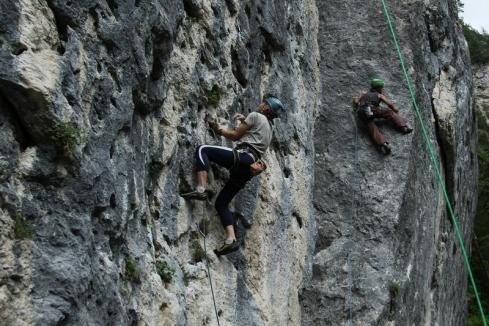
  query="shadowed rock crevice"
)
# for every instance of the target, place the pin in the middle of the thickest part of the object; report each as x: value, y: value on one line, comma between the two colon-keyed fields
x: 162, y: 47
x: 62, y: 21
x: 20, y: 132
x: 443, y: 145
x: 272, y: 42
x: 193, y: 8
x: 240, y: 61
x: 113, y: 6
x: 29, y: 109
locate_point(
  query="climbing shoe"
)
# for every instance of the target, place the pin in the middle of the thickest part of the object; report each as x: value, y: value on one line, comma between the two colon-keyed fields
x: 196, y: 195
x: 227, y: 248
x: 385, y: 149
x: 406, y: 130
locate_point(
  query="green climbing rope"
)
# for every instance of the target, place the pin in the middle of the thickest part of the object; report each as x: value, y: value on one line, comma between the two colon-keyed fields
x: 434, y: 160
x: 204, y: 235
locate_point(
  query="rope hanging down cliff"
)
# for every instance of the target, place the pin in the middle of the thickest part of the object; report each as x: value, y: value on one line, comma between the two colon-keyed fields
x: 204, y: 235
x: 434, y: 160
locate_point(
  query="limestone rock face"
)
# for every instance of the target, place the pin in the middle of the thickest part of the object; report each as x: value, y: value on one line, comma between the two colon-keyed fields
x: 102, y: 104
x: 386, y: 253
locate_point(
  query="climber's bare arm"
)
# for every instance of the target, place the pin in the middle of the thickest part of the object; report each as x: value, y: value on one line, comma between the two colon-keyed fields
x: 388, y: 102
x: 356, y: 99
x: 228, y: 133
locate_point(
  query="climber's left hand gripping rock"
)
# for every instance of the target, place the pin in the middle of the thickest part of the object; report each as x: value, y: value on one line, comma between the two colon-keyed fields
x: 215, y: 127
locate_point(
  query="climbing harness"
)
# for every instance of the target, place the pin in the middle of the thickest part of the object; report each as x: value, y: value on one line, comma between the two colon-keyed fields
x: 434, y: 160
x: 365, y: 113
x: 236, y: 160
x: 367, y: 103
x: 249, y: 149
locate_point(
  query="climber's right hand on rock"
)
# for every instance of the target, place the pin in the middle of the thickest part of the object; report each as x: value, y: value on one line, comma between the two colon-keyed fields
x: 215, y: 127
x: 355, y: 101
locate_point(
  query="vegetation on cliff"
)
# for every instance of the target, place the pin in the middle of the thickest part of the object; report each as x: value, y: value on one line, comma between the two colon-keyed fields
x: 479, y: 54
x: 480, y: 249
x: 478, y: 44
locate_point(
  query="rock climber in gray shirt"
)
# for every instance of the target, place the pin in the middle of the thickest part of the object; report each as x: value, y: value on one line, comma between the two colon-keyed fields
x: 253, y: 136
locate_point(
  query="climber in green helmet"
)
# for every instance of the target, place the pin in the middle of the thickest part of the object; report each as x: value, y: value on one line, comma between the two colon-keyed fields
x: 369, y: 109
x: 252, y: 137
x: 377, y: 83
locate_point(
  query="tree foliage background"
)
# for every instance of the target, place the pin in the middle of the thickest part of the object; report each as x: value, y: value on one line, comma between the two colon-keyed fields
x: 479, y: 54
x: 478, y: 44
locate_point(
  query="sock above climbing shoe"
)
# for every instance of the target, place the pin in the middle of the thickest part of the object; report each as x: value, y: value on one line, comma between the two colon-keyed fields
x: 227, y: 248
x: 197, y: 195
x: 200, y: 189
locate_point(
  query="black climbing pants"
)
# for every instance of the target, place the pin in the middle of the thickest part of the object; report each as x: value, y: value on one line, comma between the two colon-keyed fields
x: 239, y: 175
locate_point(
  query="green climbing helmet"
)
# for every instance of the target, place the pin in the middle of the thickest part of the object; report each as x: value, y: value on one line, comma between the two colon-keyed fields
x: 274, y: 103
x: 377, y: 83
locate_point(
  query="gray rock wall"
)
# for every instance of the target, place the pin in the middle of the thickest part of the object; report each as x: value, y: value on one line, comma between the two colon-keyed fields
x: 102, y: 104
x: 392, y: 244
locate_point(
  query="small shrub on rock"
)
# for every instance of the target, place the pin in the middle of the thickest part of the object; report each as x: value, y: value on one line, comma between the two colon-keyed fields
x: 166, y: 272
x: 132, y: 270
x: 66, y: 136
x: 213, y: 96
x: 23, y: 229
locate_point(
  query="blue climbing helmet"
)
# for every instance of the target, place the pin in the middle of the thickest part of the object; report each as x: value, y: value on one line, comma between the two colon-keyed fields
x: 274, y: 103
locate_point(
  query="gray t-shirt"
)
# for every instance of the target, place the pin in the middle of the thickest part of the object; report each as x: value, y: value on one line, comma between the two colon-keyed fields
x: 259, y: 133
